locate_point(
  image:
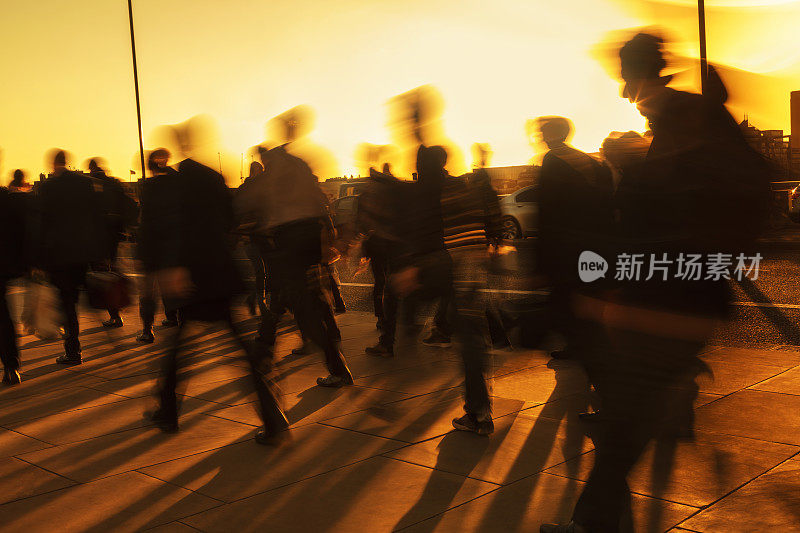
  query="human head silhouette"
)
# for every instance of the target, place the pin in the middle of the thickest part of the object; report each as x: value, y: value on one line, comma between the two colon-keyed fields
x: 555, y: 130
x: 641, y: 63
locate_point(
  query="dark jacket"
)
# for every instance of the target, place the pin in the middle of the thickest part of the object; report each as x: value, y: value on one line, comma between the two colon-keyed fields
x: 575, y: 211
x: 119, y: 210
x: 200, y: 239
x: 70, y: 227
x: 14, y: 244
x: 157, y: 242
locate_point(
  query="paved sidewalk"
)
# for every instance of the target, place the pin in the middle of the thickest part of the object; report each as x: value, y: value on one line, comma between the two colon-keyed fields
x: 76, y: 454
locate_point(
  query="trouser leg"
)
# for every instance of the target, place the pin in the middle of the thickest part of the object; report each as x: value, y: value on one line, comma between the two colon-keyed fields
x: 147, y: 302
x: 9, y: 352
x: 260, y: 357
x: 379, y: 269
x: 67, y: 282
x: 168, y: 381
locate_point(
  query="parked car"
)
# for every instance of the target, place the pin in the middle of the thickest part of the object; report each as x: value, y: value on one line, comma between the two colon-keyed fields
x: 344, y: 212
x: 520, y: 213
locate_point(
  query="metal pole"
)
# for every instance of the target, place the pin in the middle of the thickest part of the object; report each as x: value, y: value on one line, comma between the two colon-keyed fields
x: 701, y: 16
x: 136, y: 87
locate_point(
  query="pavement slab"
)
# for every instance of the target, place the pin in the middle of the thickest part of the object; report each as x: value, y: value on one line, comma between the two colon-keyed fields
x: 246, y: 468
x: 53, y: 402
x: 72, y: 426
x: 13, y: 443
x: 521, y: 445
x: 19, y: 479
x: 315, y: 404
x: 769, y: 503
x: 787, y: 383
x: 136, y: 448
x: 418, y: 418
x: 127, y: 502
x: 525, y: 505
x: 379, y: 494
x: 693, y: 473
x: 766, y: 416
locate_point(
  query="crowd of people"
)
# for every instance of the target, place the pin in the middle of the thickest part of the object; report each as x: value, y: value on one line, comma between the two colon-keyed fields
x: 691, y: 185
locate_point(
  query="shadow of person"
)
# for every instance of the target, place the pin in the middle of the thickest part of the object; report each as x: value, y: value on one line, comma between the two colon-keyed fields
x: 467, y: 450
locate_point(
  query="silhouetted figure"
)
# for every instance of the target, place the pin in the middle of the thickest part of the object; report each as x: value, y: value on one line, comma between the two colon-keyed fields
x: 71, y: 238
x: 256, y: 298
x: 196, y: 271
x: 13, y: 264
x: 119, y: 212
x: 160, y: 196
x: 575, y: 214
x: 22, y: 197
x: 290, y: 208
x: 380, y: 208
x: 701, y: 189
x: 445, y: 241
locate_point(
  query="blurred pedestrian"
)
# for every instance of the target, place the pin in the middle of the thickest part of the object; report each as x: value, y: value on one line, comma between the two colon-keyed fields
x: 291, y: 211
x: 70, y: 239
x: 160, y: 197
x: 195, y: 270
x: 119, y: 212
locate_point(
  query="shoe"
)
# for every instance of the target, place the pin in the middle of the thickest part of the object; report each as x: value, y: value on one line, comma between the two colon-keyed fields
x: 69, y: 360
x: 167, y: 323
x: 11, y: 377
x: 562, y: 354
x: 112, y: 323
x: 167, y: 424
x: 305, y: 349
x: 335, y: 382
x: 146, y: 337
x: 572, y: 527
x: 469, y: 422
x: 379, y: 350
x: 437, y: 339
x: 273, y: 438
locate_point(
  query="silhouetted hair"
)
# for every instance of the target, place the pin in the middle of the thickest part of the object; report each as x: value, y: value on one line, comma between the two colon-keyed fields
x: 60, y: 159
x: 93, y: 165
x: 18, y: 179
x: 256, y: 168
x: 158, y: 153
x: 642, y: 57
x: 438, y: 156
x: 555, y: 129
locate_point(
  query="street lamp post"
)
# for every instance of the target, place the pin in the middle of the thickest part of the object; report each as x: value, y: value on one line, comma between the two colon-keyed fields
x: 701, y: 16
x: 136, y: 87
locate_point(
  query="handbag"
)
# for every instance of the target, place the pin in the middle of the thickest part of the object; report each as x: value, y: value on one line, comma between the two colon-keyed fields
x: 108, y: 289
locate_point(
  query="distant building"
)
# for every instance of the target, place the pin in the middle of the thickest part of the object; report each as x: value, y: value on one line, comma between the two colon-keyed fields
x: 772, y: 144
x: 794, y: 138
x: 506, y: 180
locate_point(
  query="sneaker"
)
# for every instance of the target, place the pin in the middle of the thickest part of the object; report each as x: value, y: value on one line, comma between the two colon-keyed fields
x: 272, y: 438
x: 146, y: 337
x: 469, y: 422
x: 11, y: 377
x: 167, y: 424
x: 69, y: 360
x: 305, y: 349
x: 572, y: 527
x: 112, y: 323
x: 167, y: 323
x: 334, y: 382
x: 379, y: 350
x: 437, y: 339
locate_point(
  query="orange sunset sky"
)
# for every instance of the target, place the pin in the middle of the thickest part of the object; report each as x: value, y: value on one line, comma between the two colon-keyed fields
x: 67, y: 78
